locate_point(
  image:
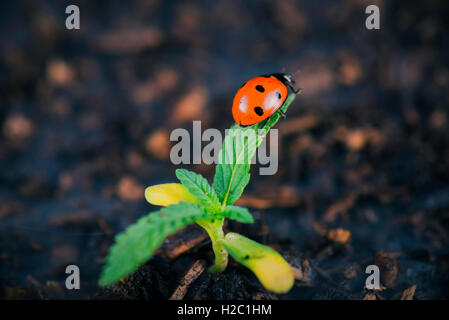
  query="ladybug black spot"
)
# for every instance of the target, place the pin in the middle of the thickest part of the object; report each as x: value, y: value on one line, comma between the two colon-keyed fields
x: 258, y: 111
x: 279, y: 95
x: 260, y: 88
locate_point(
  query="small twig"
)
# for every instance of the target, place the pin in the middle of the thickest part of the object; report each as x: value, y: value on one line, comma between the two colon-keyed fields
x: 36, y: 284
x: 185, y: 242
x: 194, y: 272
x: 340, y: 207
x: 297, y: 273
x: 322, y: 273
x: 409, y: 293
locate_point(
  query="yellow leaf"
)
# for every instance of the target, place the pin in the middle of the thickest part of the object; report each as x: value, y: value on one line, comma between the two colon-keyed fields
x: 168, y: 193
x: 267, y: 264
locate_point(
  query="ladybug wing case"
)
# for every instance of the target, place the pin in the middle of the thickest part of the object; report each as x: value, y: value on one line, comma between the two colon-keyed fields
x: 258, y: 99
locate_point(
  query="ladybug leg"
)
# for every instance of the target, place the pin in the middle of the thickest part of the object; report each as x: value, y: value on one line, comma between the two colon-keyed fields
x: 295, y: 91
x: 263, y: 128
x: 283, y: 114
x: 298, y: 91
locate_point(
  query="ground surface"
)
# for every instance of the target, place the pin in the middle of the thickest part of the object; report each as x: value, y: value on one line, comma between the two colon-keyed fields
x: 363, y: 160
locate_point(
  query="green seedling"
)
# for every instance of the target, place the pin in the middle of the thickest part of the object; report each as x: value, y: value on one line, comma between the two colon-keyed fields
x: 195, y: 201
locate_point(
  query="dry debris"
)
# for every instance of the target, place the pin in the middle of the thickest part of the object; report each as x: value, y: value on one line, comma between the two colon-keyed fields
x: 339, y: 235
x: 194, y: 272
x: 409, y: 293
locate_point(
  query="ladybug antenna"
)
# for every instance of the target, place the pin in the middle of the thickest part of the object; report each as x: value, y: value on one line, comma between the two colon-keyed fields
x: 296, y: 73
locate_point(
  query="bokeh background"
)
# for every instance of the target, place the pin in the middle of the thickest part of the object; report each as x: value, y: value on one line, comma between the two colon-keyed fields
x: 85, y: 119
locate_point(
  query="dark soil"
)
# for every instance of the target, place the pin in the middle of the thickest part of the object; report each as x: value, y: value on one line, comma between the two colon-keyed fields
x: 363, y: 172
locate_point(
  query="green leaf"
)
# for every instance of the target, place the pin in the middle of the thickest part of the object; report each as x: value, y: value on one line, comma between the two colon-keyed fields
x: 139, y: 241
x: 200, y: 188
x: 239, y: 146
x: 232, y: 172
x: 238, y: 213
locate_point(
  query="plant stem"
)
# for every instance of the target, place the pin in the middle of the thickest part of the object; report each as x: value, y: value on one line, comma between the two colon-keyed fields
x: 214, y: 228
x: 215, y: 231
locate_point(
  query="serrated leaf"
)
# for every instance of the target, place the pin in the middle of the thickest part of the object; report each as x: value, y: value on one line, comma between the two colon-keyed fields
x: 238, y: 213
x: 199, y: 187
x: 232, y: 173
x: 138, y: 242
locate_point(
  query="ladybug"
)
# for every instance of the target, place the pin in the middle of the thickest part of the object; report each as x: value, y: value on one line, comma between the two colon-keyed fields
x: 260, y: 97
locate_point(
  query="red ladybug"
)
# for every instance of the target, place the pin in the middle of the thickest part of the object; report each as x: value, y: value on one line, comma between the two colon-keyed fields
x: 260, y: 97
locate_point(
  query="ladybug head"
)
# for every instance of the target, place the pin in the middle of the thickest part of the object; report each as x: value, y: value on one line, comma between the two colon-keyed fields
x: 288, y: 78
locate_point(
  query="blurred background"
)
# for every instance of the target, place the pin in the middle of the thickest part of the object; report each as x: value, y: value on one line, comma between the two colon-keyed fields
x: 85, y: 119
